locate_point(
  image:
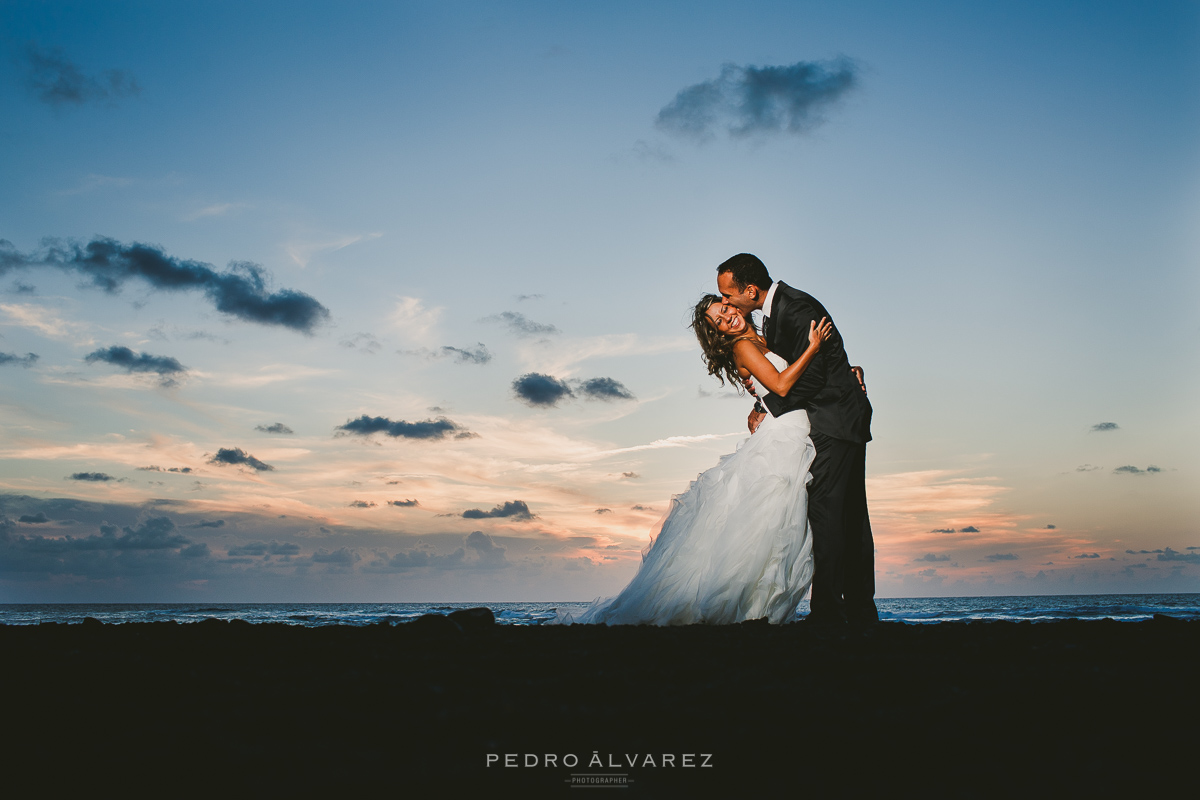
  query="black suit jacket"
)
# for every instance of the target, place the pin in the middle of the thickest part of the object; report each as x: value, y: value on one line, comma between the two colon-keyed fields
x: 836, y: 404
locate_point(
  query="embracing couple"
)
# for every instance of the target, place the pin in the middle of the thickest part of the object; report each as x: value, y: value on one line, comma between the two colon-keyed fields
x: 788, y: 508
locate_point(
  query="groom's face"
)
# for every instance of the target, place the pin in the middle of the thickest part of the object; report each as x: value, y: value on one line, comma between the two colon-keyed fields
x: 744, y: 300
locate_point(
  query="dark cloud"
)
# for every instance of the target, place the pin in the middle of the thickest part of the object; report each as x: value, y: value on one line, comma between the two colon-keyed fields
x: 23, y: 288
x: 604, y: 389
x: 1051, y: 527
x: 603, y: 511
x: 235, y: 456
x: 198, y: 550
x: 27, y: 360
x: 361, y: 504
x: 415, y: 559
x: 163, y: 366
x: 1002, y: 557
x: 277, y: 427
x: 1087, y: 555
x: 156, y: 533
x: 642, y: 508
x: 94, y: 477
x: 240, y: 291
x: 425, y: 429
x: 1174, y: 555
x: 479, y: 354
x: 1086, y: 468
x: 403, y: 503
x: 928, y: 573
x: 943, y: 530
x: 1129, y: 469
x: 932, y: 557
x: 34, y: 519
x: 272, y: 548
x: 969, y: 529
x: 520, y: 324
x: 342, y: 557
x: 1105, y: 426
x: 523, y: 297
x: 206, y: 523
x: 57, y: 81
x: 490, y: 554
x: 516, y: 509
x: 154, y: 468
x: 759, y: 100
x: 630, y: 475
x: 1143, y: 552
x: 540, y: 390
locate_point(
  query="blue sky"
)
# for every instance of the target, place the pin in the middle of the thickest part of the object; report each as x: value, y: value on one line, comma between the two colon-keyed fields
x: 997, y: 205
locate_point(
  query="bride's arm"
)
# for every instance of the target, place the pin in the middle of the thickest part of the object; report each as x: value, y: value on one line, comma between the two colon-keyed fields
x: 780, y: 383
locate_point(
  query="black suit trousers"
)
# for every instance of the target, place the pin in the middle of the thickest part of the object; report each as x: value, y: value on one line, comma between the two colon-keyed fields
x: 843, y: 549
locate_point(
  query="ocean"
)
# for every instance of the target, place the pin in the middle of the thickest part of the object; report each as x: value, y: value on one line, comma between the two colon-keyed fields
x: 913, y: 610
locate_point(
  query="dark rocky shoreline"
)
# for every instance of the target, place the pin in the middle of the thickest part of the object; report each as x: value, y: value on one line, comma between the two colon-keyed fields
x: 987, y: 709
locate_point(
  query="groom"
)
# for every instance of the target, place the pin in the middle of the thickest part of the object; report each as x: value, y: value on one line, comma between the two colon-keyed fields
x: 840, y: 415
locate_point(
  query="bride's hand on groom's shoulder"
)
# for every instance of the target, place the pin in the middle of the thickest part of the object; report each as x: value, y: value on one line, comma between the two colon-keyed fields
x: 819, y: 332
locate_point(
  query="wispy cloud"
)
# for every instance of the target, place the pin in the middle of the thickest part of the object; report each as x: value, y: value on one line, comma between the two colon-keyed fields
x: 214, y: 210
x: 302, y: 252
x: 520, y: 324
x: 44, y: 320
x: 27, y: 360
x: 414, y: 321
x: 1104, y: 426
x: 753, y: 100
x: 57, y: 81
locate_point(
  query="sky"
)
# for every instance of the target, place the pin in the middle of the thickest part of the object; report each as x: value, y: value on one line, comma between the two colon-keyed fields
x: 372, y: 302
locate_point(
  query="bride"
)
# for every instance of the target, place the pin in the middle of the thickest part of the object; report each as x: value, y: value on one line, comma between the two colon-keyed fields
x: 736, y: 545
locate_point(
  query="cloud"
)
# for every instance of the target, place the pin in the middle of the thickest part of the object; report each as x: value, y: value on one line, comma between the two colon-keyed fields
x: 400, y: 429
x: 479, y: 354
x: 277, y: 427
x: 604, y: 389
x: 199, y: 550
x: 58, y: 81
x: 361, y: 504
x: 1002, y: 557
x: 414, y: 320
x: 1105, y: 426
x: 1174, y: 555
x: 642, y: 508
x: 362, y: 341
x: 342, y: 557
x: 603, y: 511
x: 516, y: 509
x: 34, y: 519
x: 932, y: 557
x: 629, y: 475
x: 154, y: 468
x: 540, y: 390
x: 759, y: 100
x: 27, y: 360
x: 1143, y: 552
x: 94, y: 477
x: 240, y: 291
x: 273, y: 548
x: 943, y: 530
x: 164, y: 366
x: 205, y: 523
x: 490, y: 554
x: 1087, y: 555
x: 156, y: 533
x: 1051, y: 527
x: 236, y: 455
x: 403, y: 503
x: 969, y: 529
x: 523, y: 297
x: 520, y: 324
x: 1129, y: 469
x: 1086, y: 468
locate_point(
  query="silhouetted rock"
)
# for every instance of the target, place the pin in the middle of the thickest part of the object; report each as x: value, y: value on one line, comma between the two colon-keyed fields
x: 434, y: 622
x: 474, y: 618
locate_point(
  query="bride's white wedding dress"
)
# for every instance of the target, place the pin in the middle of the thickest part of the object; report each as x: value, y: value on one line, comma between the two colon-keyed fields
x: 735, y: 546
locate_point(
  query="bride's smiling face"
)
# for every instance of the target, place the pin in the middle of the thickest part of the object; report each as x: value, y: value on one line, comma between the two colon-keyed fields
x: 726, y: 319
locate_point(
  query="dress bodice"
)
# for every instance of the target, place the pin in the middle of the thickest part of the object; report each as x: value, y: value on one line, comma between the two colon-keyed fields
x: 778, y: 363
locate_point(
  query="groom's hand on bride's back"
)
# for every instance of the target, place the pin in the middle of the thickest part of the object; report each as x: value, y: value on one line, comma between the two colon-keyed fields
x: 858, y: 373
x: 754, y: 420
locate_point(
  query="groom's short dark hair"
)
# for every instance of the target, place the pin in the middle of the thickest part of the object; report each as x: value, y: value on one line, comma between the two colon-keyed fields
x: 746, y: 269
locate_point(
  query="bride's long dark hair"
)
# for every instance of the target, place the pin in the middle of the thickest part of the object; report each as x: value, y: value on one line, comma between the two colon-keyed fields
x: 717, y: 348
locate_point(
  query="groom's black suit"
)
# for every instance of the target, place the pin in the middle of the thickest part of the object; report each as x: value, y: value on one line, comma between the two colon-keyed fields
x: 840, y: 416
